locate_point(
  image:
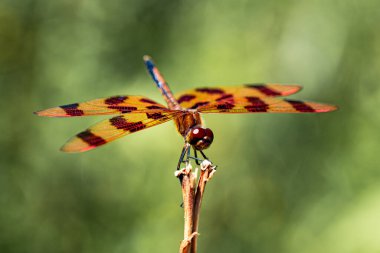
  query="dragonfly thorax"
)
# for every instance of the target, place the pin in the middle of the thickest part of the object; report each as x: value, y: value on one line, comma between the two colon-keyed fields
x: 199, y: 137
x: 187, y: 121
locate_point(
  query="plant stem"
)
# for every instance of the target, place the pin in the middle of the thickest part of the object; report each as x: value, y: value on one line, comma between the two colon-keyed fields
x: 192, y: 202
x: 188, y: 179
x: 207, y: 170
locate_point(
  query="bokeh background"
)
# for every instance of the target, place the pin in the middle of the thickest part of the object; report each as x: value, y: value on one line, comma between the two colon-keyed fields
x: 285, y: 183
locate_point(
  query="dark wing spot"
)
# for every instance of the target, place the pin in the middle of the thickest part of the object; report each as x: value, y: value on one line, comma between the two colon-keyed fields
x: 137, y: 127
x: 72, y: 109
x: 255, y: 100
x: 257, y: 105
x: 152, y: 107
x: 185, y: 98
x: 210, y: 90
x: 121, y: 123
x: 123, y: 109
x: 147, y: 100
x: 115, y: 100
x: 251, y: 108
x: 225, y: 106
x: 300, y: 106
x: 195, y: 106
x: 227, y: 96
x: 91, y: 139
x: 264, y: 89
x: 156, y: 115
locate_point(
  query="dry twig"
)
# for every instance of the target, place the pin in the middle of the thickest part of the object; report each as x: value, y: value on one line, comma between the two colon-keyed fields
x: 207, y: 171
x: 192, y: 202
x: 188, y: 182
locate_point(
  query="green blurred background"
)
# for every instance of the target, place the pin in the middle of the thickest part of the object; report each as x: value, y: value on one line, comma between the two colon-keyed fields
x: 285, y: 183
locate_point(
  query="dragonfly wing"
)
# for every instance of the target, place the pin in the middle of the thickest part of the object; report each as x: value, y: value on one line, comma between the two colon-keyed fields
x: 105, y: 106
x: 114, y: 128
x: 202, y: 96
x: 265, y: 105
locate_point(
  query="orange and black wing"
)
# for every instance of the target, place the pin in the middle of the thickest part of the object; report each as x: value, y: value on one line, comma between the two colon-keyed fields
x: 198, y: 97
x: 250, y: 104
x: 114, y: 128
x: 105, y: 106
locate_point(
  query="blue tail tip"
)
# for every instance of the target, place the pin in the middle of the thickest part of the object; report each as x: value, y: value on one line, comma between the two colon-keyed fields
x: 148, y: 62
x: 147, y: 58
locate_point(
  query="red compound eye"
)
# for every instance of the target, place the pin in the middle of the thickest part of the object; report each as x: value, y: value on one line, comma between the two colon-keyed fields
x: 198, y: 133
x: 200, y: 138
x: 209, y: 134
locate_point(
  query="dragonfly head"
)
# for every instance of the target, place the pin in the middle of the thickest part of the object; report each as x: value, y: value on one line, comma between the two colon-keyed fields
x: 200, y: 138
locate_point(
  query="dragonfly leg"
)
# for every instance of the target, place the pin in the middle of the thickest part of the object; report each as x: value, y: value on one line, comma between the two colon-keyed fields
x: 185, y: 151
x: 196, y: 157
x: 188, y: 155
x: 203, y: 154
x: 206, y: 158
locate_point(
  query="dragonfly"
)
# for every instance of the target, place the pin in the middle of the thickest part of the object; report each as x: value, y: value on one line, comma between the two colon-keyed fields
x: 136, y: 113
